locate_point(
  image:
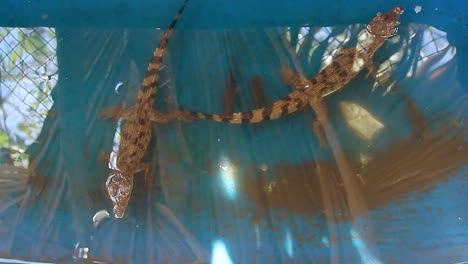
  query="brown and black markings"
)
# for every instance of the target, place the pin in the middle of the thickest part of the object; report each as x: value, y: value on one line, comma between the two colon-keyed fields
x: 329, y: 80
x: 137, y: 129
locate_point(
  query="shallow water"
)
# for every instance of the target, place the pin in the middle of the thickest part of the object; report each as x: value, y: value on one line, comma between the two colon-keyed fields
x: 223, y: 193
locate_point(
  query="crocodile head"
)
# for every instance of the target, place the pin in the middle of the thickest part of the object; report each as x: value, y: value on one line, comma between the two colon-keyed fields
x: 119, y: 187
x: 385, y: 25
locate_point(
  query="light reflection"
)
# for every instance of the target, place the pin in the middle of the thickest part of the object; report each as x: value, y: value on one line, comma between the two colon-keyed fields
x: 327, y: 59
x: 360, y: 120
x: 258, y: 241
x: 325, y: 241
x: 115, y: 149
x: 288, y: 244
x: 447, y: 57
x: 364, y: 40
x: 322, y: 34
x: 433, y: 53
x: 80, y: 252
x: 364, y: 159
x: 228, y: 178
x: 99, y: 216
x: 2, y: 260
x: 117, y: 87
x: 315, y: 44
x: 288, y: 34
x: 417, y: 9
x: 358, y: 64
x: 433, y: 41
x: 334, y: 44
x: 385, y: 69
x: 220, y: 254
x: 263, y: 167
x: 270, y: 187
x: 303, y: 32
x: 363, y: 250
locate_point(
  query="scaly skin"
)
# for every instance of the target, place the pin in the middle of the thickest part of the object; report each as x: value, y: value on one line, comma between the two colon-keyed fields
x: 329, y: 80
x: 137, y: 128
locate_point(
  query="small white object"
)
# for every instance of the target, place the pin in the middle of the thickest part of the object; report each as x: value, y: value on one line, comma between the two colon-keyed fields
x: 80, y: 252
x: 99, y: 216
x: 116, y: 89
x: 417, y: 9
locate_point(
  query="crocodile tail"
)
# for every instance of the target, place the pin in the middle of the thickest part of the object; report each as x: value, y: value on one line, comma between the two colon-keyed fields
x: 285, y: 106
x: 152, y: 71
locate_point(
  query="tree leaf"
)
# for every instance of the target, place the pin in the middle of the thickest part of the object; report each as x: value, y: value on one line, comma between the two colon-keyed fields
x: 32, y: 43
x: 36, y: 47
x: 4, y: 139
x: 25, y: 128
x: 16, y: 54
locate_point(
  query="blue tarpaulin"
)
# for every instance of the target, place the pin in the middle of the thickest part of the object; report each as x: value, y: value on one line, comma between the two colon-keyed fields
x: 266, y: 193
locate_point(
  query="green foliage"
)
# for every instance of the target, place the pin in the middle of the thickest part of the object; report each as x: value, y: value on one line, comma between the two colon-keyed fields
x: 4, y: 139
x: 28, y: 49
x: 28, y: 129
x: 16, y: 55
x: 35, y: 45
x: 26, y: 54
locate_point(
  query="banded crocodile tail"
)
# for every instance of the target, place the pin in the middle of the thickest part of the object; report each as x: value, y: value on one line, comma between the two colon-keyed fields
x: 148, y: 87
x: 285, y: 106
